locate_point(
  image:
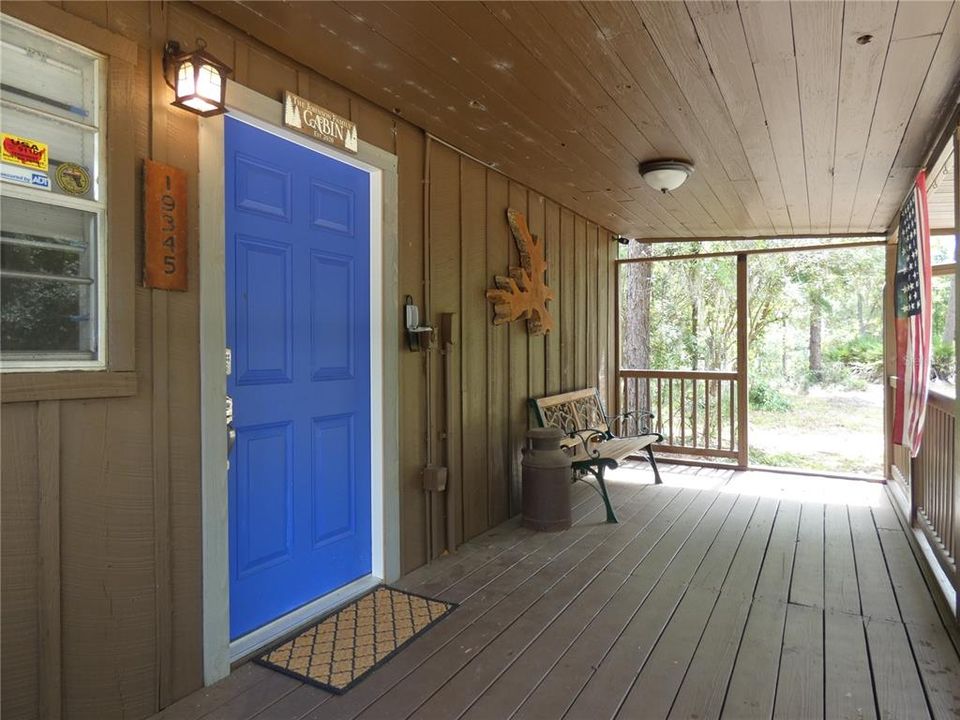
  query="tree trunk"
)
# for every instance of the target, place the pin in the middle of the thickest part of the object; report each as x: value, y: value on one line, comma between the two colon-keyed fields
x: 816, y: 350
x: 862, y: 325
x: 635, y: 300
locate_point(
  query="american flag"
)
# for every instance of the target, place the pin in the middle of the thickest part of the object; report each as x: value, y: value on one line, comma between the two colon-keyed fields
x: 913, y: 318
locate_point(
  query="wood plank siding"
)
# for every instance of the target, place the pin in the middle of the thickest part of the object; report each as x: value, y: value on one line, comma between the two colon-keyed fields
x: 799, y: 117
x: 704, y: 602
x: 101, y: 528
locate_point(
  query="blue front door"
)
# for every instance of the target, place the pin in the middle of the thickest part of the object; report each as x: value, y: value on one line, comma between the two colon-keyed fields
x: 298, y: 325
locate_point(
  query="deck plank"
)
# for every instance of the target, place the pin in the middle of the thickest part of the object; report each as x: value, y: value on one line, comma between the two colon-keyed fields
x: 848, y: 691
x: 753, y: 682
x: 704, y: 685
x: 656, y: 687
x: 876, y: 591
x: 777, y: 570
x: 806, y: 585
x: 935, y: 654
x: 465, y: 587
x: 800, y: 683
x: 208, y: 699
x: 609, y: 684
x: 840, y: 589
x: 699, y: 604
x: 896, y: 681
x: 553, y: 697
x: 547, y: 593
x: 295, y: 704
x: 249, y: 703
x: 514, y: 589
x: 537, y: 628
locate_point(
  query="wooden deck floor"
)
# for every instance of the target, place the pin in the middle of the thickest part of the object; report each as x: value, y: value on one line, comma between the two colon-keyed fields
x: 719, y: 594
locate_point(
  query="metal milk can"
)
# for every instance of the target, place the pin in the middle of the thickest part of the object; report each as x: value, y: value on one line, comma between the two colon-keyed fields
x: 546, y: 481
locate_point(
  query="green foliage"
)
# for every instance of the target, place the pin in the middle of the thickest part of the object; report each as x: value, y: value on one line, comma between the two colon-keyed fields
x: 759, y: 456
x: 766, y: 397
x: 856, y: 350
x: 944, y: 361
x: 838, y: 375
x: 860, y: 360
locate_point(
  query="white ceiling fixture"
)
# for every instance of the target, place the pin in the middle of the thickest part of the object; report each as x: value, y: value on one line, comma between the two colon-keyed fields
x: 665, y: 175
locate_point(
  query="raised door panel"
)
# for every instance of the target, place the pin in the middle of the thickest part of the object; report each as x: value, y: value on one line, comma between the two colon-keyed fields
x: 264, y: 338
x: 263, y: 497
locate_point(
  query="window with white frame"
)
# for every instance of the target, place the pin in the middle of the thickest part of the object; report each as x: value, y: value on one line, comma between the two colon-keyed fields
x: 52, y: 202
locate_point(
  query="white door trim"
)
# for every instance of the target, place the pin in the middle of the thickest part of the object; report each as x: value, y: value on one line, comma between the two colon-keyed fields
x: 267, y: 114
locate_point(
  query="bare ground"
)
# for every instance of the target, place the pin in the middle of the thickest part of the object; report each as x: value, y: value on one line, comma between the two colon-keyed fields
x: 826, y: 429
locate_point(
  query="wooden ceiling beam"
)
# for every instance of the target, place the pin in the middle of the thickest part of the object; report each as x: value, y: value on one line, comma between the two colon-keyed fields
x: 916, y: 35
x: 746, y: 238
x: 752, y: 251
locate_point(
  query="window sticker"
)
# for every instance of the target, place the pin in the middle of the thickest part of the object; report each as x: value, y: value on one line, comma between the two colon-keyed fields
x: 25, y: 152
x: 73, y: 179
x: 25, y: 176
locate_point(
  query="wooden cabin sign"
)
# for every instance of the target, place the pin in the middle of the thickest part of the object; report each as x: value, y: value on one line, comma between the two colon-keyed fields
x: 524, y: 293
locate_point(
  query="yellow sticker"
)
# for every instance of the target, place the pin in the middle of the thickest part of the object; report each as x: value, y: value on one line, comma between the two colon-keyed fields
x: 25, y: 152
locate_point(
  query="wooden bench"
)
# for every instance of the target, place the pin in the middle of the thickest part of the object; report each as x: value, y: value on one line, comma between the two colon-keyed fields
x: 591, y: 441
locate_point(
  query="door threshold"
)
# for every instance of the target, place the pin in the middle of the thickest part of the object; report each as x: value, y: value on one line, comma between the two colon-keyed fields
x: 247, y: 645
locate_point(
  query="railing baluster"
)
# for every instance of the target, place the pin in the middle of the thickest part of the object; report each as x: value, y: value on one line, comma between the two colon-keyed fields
x: 719, y: 413
x: 659, y: 408
x: 733, y: 390
x: 683, y: 412
x: 700, y: 397
x: 706, y: 413
x: 696, y: 382
x: 670, y: 403
x: 934, y: 482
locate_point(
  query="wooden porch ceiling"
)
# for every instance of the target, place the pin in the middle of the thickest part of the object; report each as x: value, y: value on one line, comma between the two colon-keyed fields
x: 803, y: 117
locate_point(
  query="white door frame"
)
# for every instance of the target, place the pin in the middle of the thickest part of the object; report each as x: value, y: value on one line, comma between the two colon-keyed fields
x: 267, y: 114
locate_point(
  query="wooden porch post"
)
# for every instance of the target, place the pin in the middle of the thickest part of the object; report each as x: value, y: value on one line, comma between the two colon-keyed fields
x: 956, y: 350
x: 742, y: 390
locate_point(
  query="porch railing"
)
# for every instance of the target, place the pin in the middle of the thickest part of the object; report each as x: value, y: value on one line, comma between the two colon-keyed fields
x: 695, y: 411
x: 934, y: 483
x: 929, y: 481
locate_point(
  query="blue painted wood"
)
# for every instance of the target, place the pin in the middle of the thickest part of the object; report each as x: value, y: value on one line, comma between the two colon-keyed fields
x: 298, y: 321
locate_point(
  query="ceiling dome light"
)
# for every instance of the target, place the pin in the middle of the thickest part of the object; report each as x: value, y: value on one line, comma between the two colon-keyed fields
x: 665, y: 175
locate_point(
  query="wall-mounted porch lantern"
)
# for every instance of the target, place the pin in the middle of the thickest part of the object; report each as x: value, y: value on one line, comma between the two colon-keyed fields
x: 665, y: 175
x: 199, y: 79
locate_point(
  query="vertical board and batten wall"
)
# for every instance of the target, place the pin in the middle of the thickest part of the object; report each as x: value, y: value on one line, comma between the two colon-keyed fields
x: 496, y: 369
x: 100, y: 496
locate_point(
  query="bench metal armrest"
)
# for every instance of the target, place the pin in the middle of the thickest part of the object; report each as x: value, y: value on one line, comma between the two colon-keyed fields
x: 585, y: 435
x: 646, y: 433
x: 639, y: 415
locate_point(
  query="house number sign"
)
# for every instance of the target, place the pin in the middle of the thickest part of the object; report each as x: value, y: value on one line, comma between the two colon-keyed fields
x: 165, y: 226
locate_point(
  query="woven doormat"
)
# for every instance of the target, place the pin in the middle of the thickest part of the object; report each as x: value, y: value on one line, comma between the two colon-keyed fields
x: 350, y: 643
